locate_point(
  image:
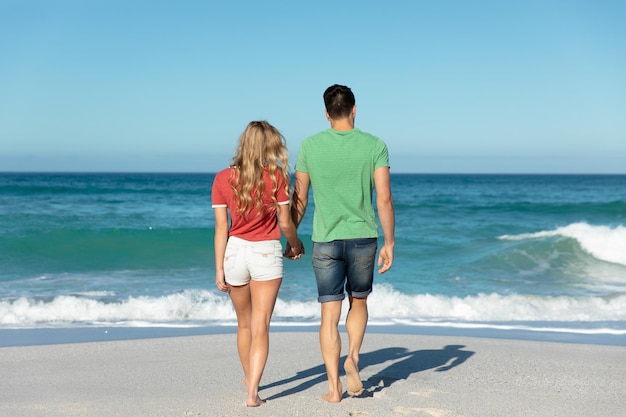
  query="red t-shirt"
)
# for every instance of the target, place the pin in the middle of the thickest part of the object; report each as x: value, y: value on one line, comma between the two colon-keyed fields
x: 250, y: 227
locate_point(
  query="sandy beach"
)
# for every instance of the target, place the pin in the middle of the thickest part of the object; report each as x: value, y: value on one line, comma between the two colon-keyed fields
x: 403, y: 375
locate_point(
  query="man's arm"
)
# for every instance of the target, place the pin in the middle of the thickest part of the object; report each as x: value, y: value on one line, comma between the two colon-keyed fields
x: 386, y: 216
x: 300, y: 198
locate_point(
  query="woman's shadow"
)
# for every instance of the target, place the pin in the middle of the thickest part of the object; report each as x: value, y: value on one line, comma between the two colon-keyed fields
x: 405, y: 363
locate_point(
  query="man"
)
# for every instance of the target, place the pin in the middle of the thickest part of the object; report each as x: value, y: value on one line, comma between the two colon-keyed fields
x: 344, y: 165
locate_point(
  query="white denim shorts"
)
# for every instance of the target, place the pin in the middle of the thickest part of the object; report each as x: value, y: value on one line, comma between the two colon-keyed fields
x: 245, y: 260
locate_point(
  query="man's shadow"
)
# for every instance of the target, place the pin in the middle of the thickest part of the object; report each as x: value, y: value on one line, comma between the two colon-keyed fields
x: 405, y: 363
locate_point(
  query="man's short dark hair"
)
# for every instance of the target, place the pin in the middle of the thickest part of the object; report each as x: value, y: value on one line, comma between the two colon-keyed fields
x: 339, y: 101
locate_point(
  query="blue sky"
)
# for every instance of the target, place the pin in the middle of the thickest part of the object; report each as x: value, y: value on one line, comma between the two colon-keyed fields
x: 450, y: 86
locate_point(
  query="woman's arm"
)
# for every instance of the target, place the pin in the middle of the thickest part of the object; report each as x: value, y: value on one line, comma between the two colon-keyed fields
x: 221, y: 237
x: 288, y: 227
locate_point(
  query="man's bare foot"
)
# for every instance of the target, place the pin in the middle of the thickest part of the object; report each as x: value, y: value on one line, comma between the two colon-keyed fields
x: 255, y: 402
x: 334, y: 396
x: 355, y: 386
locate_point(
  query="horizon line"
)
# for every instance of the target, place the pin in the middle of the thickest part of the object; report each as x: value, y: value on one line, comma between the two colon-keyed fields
x: 392, y: 173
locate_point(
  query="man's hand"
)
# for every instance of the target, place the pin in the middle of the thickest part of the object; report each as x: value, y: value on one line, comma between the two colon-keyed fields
x: 385, y: 258
x: 294, y: 253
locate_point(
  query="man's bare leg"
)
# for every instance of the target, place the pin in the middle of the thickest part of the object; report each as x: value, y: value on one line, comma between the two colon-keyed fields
x: 356, y: 323
x: 330, y: 343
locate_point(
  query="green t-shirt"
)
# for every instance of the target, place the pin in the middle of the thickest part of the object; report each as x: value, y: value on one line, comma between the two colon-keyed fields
x: 341, y: 168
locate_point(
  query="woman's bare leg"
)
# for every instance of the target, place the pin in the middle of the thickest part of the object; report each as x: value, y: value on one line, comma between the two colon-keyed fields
x: 240, y: 297
x: 263, y: 298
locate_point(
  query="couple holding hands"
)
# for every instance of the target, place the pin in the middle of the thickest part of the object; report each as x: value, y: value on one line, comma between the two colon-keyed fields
x: 344, y: 165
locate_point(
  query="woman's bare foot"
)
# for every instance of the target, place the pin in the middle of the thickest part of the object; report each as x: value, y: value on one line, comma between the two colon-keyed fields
x: 355, y: 386
x: 334, y: 396
x: 255, y: 402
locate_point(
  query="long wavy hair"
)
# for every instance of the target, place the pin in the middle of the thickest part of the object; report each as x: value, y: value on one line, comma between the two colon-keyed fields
x: 261, y: 146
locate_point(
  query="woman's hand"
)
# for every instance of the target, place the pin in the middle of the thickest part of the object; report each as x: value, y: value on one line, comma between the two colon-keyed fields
x: 294, y: 252
x: 220, y: 281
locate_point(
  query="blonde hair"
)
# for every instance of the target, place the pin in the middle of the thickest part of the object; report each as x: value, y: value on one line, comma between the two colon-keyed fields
x: 261, y: 146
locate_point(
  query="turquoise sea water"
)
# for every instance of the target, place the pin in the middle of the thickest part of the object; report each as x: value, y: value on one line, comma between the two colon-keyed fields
x: 526, y: 252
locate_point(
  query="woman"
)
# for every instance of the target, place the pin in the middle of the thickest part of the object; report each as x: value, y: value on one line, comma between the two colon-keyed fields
x: 248, y: 255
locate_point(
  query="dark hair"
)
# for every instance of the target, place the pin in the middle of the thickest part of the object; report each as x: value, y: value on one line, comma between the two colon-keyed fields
x: 339, y: 101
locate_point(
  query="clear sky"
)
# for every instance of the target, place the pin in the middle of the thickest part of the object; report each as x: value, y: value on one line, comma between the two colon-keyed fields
x: 535, y: 86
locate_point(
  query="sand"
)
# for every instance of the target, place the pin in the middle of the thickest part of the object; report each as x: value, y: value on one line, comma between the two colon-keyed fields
x: 403, y: 375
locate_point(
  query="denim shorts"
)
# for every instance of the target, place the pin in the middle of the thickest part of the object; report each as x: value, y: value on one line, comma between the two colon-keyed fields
x: 245, y: 260
x: 340, y: 263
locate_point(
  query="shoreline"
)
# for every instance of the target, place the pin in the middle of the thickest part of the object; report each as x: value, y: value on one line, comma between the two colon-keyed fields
x: 403, y: 374
x: 68, y: 335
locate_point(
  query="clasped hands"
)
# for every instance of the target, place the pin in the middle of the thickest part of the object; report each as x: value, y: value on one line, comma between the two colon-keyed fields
x: 294, y: 252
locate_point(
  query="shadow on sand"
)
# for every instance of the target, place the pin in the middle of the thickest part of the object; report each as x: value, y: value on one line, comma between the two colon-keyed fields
x: 404, y: 364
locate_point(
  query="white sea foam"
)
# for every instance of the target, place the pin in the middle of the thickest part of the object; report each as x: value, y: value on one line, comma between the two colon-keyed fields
x: 386, y: 306
x: 187, y: 306
x: 385, y: 302
x: 602, y: 242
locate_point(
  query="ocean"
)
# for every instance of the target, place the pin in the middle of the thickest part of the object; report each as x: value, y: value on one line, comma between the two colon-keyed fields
x: 521, y: 254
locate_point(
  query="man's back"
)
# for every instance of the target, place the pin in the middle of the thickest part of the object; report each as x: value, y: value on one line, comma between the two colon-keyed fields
x: 341, y: 167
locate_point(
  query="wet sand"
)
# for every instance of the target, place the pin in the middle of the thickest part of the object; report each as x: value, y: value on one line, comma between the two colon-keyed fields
x: 403, y: 375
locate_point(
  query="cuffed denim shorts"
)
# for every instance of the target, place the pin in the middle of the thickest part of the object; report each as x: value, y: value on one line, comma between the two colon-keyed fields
x: 347, y: 262
x: 259, y: 261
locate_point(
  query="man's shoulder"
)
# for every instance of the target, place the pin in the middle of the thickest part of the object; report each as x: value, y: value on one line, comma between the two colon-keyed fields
x: 330, y: 134
x: 314, y: 141
x: 321, y: 134
x: 368, y: 136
